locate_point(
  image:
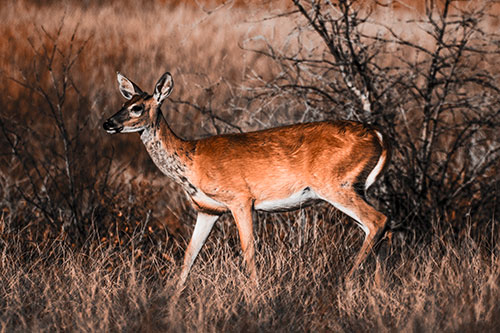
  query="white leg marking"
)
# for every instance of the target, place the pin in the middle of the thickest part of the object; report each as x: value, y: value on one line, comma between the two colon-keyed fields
x: 374, y: 173
x: 350, y: 213
x: 204, y: 224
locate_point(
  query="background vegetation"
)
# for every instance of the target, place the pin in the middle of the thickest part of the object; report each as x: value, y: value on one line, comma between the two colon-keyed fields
x: 92, y: 235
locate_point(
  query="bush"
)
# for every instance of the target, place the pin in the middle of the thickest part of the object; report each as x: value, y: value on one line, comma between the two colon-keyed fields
x: 427, y: 82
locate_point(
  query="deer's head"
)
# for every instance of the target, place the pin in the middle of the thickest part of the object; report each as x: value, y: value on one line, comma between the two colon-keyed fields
x: 139, y: 111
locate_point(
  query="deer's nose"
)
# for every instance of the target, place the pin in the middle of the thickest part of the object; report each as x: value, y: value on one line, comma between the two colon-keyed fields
x: 112, y: 127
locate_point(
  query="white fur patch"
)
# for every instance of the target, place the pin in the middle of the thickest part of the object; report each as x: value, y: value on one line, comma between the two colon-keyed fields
x: 374, y: 173
x: 127, y: 129
x: 351, y: 214
x: 293, y: 201
x: 204, y: 224
x: 202, y: 198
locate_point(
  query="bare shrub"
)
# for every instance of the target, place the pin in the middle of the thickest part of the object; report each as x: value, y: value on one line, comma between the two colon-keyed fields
x: 60, y: 183
x: 48, y: 143
x: 433, y: 90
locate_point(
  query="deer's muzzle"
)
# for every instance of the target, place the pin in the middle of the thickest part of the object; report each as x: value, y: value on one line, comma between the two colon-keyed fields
x: 112, y: 127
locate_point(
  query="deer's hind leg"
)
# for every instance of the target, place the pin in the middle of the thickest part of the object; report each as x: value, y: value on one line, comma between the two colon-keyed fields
x: 366, y: 216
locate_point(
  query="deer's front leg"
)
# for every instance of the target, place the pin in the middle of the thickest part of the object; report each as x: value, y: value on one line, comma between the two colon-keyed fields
x: 204, y: 224
x: 243, y: 216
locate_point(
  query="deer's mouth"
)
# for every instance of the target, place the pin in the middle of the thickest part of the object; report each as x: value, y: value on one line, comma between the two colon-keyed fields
x: 111, y: 127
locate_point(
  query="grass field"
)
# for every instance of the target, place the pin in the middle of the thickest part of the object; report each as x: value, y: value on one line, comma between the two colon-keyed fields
x: 92, y: 235
x: 448, y: 286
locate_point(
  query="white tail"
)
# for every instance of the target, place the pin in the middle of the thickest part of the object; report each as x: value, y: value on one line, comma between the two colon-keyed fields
x: 277, y: 169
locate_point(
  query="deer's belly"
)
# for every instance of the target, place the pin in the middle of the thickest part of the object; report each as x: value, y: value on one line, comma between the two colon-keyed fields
x: 297, y: 200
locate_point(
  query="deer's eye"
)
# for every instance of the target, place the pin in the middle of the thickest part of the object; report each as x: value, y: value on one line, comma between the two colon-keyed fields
x: 137, y: 110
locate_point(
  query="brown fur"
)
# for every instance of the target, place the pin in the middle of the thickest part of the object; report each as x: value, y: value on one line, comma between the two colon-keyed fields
x: 275, y: 163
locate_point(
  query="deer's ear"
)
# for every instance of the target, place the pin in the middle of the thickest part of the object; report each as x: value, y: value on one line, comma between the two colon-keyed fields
x: 127, y: 87
x: 163, y: 87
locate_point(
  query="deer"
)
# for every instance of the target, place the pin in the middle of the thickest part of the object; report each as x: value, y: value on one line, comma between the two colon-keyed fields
x: 273, y: 170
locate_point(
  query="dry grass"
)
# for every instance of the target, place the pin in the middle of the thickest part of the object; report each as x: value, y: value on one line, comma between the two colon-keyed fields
x: 122, y: 277
x: 448, y: 286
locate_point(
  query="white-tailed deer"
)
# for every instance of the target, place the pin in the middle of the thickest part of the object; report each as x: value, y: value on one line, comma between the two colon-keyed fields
x: 277, y: 169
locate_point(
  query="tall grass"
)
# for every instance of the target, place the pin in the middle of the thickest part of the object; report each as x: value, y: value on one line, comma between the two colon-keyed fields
x: 115, y: 267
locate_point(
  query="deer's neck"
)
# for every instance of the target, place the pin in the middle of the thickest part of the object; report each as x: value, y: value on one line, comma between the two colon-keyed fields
x: 167, y: 151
